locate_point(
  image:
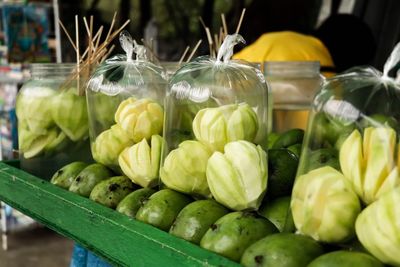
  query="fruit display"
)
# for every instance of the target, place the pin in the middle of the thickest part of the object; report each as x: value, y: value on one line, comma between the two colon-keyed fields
x: 53, y: 128
x: 125, y: 107
x: 208, y: 170
x: 216, y: 124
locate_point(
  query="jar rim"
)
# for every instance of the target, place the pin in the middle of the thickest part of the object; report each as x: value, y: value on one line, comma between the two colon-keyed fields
x: 296, y: 68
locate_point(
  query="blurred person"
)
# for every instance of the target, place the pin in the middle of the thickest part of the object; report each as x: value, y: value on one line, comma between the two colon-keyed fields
x: 341, y: 42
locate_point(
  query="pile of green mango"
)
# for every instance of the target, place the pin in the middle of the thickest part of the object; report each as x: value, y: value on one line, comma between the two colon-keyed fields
x: 50, y: 121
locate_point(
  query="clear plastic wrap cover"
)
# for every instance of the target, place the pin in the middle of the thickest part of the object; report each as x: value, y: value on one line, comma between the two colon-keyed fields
x: 357, y: 99
x: 118, y: 75
x: 208, y: 82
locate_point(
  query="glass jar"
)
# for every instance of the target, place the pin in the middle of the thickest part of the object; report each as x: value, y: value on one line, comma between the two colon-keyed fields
x: 214, y: 105
x: 125, y: 102
x: 293, y: 85
x: 52, y: 120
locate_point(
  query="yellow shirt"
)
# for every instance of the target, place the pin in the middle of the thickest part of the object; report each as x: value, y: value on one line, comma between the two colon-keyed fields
x: 286, y: 46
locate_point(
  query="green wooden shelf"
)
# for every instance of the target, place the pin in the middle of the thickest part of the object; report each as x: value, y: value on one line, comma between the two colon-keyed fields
x: 117, y: 238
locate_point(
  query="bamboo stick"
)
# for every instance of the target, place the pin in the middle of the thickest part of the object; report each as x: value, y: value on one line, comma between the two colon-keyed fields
x: 184, y: 55
x: 194, y: 50
x: 240, y: 21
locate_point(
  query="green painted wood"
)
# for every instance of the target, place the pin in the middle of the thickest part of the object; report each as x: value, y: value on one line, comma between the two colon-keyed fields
x: 117, y: 238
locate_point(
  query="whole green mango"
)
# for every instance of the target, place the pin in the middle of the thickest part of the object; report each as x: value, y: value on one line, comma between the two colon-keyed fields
x: 66, y: 175
x: 132, y: 202
x: 162, y: 208
x: 196, y: 218
x: 88, y: 178
x: 111, y: 191
x: 234, y: 232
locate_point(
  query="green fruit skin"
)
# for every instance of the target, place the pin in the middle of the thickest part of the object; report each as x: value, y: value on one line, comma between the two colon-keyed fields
x: 162, y: 208
x: 283, y: 250
x: 326, y: 130
x: 282, y: 168
x: 289, y: 138
x: 272, y: 137
x: 345, y: 259
x: 323, y: 157
x: 196, y: 218
x: 132, y: 202
x: 296, y: 149
x: 87, y: 179
x: 233, y: 233
x: 278, y: 212
x: 66, y: 175
x: 111, y: 191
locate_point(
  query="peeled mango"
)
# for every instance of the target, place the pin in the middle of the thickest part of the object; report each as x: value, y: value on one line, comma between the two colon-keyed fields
x: 141, y: 163
x: 66, y: 175
x: 88, y: 178
x: 194, y: 220
x: 238, y: 178
x: 324, y: 205
x: 109, y: 144
x: 215, y: 127
x: 230, y: 235
x: 34, y: 108
x: 184, y: 169
x: 378, y: 228
x: 69, y: 112
x: 111, y: 191
x: 49, y: 141
x: 140, y: 118
x: 369, y: 162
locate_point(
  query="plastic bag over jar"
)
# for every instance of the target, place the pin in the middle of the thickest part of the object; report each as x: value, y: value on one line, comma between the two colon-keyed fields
x: 53, y: 127
x: 125, y: 103
x: 350, y: 159
x: 217, y: 115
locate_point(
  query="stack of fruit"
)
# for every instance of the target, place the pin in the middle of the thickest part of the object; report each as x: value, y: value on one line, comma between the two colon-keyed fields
x: 223, y: 192
x: 204, y: 222
x: 125, y: 113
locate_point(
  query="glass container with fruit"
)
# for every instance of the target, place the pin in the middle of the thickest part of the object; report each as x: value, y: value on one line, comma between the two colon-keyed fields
x: 348, y: 177
x: 125, y: 103
x: 293, y: 86
x: 216, y: 126
x: 52, y: 120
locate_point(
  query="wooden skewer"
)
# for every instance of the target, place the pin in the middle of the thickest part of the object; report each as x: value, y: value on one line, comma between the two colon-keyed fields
x: 210, y: 41
x: 240, y: 21
x: 98, y: 34
x: 113, y: 35
x: 194, y: 50
x: 112, y: 25
x: 202, y: 22
x: 96, y: 39
x: 67, y: 34
x: 78, y: 60
x: 184, y: 55
x: 221, y: 36
x: 225, y: 28
x: 216, y: 41
x: 108, y: 53
x: 90, y: 39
